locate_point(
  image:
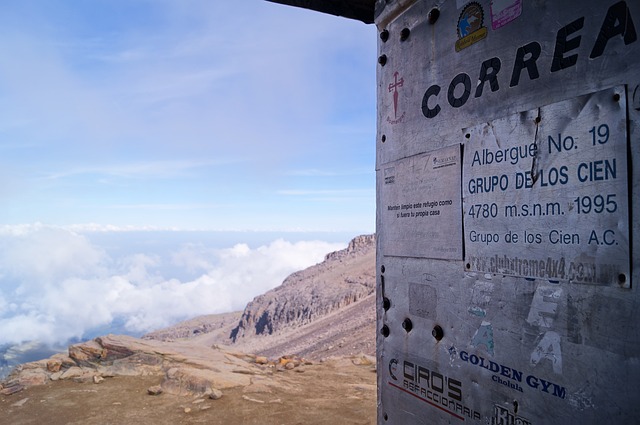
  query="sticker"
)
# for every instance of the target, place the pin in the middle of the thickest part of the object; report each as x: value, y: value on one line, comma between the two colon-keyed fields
x: 503, y: 416
x: 420, y: 379
x: 516, y: 379
x: 397, y: 83
x: 470, y: 26
x: 422, y: 300
x: 421, y: 206
x: 504, y: 12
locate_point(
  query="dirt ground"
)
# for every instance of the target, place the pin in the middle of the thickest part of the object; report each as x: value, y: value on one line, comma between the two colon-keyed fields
x: 334, y: 394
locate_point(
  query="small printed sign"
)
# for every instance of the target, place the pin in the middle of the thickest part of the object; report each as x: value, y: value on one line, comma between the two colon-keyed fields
x: 421, y: 198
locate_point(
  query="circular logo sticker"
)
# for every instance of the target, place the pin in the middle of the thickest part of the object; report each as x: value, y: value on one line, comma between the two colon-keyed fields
x: 470, y: 26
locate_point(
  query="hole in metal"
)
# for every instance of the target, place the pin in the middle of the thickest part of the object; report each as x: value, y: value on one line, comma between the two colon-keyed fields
x: 407, y: 325
x: 622, y: 278
x: 386, y: 303
x: 616, y: 97
x: 538, y: 119
x: 384, y: 36
x: 404, y: 34
x: 382, y: 268
x: 384, y: 138
x: 382, y: 60
x: 433, y: 15
x: 515, y: 406
x: 437, y: 332
x: 385, y: 331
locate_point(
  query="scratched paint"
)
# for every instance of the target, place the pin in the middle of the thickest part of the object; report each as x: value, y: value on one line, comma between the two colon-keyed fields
x: 484, y: 337
x: 549, y: 349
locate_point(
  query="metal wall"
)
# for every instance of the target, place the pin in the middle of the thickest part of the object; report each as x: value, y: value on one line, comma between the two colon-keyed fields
x: 507, y: 181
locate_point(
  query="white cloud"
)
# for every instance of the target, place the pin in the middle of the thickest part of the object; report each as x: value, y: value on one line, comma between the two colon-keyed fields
x: 56, y: 285
x: 39, y: 254
x: 304, y: 192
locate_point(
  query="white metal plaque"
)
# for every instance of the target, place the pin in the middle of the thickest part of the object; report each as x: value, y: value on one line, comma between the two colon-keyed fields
x: 546, y: 193
x: 421, y: 199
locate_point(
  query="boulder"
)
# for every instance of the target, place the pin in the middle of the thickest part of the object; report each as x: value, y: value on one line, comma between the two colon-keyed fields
x: 87, y: 353
x: 214, y: 393
x: 192, y: 381
x: 155, y: 390
x: 11, y: 388
x: 54, y: 365
x: 33, y: 377
x: 74, y: 372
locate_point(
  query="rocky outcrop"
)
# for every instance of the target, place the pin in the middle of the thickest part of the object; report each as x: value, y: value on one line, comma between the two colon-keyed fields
x: 184, y: 369
x: 343, y: 278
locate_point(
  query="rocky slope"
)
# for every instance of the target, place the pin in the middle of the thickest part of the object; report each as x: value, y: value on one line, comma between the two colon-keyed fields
x: 325, y: 310
x: 216, y: 326
x: 343, y: 278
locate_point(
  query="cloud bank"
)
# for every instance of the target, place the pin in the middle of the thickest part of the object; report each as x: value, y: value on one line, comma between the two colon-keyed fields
x: 56, y: 285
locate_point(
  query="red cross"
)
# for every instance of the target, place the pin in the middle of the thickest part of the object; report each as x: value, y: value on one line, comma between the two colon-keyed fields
x: 393, y: 87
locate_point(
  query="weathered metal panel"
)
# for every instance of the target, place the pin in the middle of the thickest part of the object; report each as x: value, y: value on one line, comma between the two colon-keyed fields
x: 464, y: 341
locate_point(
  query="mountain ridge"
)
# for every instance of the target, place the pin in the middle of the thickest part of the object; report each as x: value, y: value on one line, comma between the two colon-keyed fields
x: 324, y: 310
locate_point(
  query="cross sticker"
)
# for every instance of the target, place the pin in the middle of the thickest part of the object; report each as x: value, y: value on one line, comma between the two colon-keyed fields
x: 393, y: 87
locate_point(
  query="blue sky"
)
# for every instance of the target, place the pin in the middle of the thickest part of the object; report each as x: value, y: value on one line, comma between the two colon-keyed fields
x: 186, y: 114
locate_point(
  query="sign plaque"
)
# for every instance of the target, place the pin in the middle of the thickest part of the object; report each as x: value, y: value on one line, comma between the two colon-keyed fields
x: 546, y: 192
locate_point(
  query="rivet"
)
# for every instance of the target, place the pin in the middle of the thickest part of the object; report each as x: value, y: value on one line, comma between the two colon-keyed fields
x: 437, y: 332
x: 385, y: 331
x: 382, y: 60
x: 404, y: 34
x: 407, y: 325
x: 384, y: 36
x: 433, y: 15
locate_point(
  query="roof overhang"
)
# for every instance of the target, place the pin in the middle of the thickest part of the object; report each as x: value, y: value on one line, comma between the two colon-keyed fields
x: 361, y: 10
